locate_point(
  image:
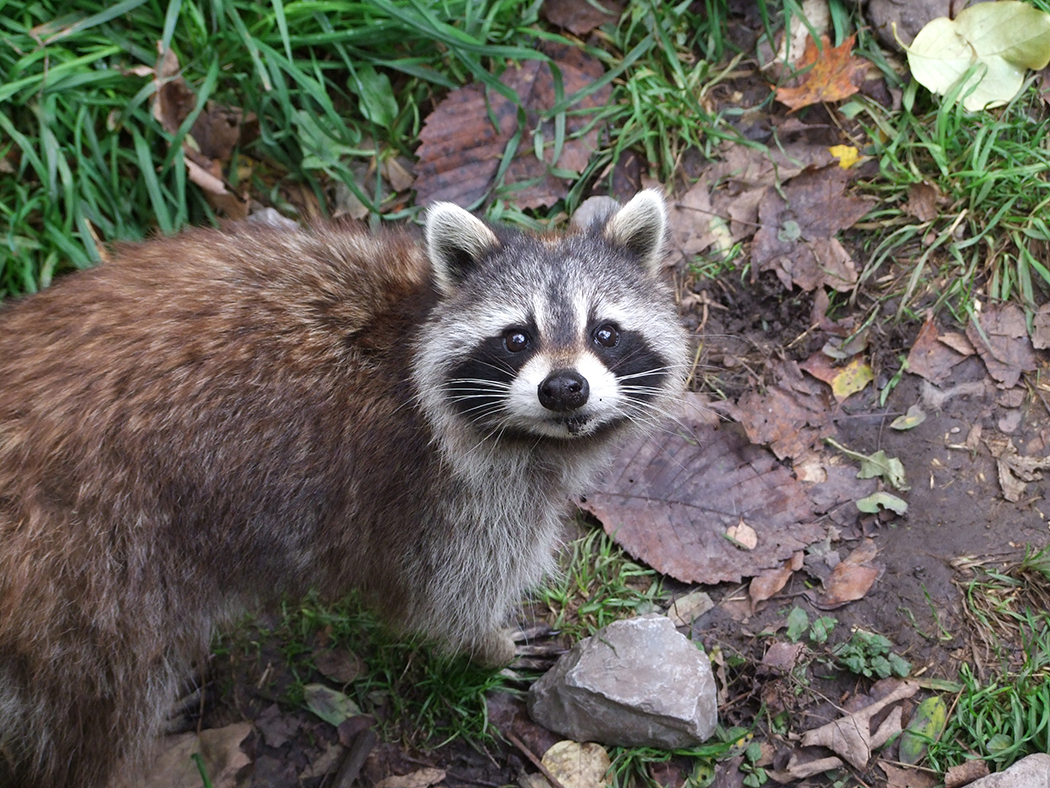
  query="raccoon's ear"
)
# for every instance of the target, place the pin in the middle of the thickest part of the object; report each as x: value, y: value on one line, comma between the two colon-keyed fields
x: 456, y: 240
x: 639, y: 226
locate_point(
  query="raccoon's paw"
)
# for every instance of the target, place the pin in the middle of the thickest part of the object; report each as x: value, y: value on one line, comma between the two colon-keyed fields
x: 495, y: 650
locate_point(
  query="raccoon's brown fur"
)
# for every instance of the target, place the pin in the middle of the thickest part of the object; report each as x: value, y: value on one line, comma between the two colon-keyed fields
x: 200, y: 346
x: 220, y: 417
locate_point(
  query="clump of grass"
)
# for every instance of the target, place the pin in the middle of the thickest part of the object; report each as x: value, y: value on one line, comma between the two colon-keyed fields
x: 1003, y: 712
x: 417, y: 694
x: 632, y: 766
x: 599, y: 584
x: 333, y: 86
x: 991, y: 171
x: 1006, y: 718
x: 85, y: 162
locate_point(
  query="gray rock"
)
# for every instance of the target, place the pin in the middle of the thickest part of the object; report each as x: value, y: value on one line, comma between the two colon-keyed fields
x: 635, y: 683
x: 1030, y: 772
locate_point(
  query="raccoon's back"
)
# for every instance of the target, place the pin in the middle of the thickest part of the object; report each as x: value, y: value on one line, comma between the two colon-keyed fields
x: 206, y: 376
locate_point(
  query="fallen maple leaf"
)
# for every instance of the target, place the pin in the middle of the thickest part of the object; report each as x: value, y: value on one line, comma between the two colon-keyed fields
x: 797, y: 228
x: 792, y: 416
x: 833, y: 74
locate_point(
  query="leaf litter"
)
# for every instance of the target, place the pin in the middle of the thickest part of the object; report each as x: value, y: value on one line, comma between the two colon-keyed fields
x: 465, y: 138
x: 674, y: 500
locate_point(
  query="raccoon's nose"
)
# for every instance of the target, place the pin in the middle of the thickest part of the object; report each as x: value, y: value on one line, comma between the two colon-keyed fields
x: 563, y: 389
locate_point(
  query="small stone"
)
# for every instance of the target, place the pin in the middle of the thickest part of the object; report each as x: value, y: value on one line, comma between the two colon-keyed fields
x: 635, y: 683
x: 1030, y: 772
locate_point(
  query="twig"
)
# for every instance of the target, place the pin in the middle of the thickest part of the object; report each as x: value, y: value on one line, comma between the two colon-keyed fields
x: 535, y: 761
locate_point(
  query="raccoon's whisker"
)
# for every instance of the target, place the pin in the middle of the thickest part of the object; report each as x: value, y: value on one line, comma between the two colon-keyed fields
x: 643, y: 373
x: 468, y: 384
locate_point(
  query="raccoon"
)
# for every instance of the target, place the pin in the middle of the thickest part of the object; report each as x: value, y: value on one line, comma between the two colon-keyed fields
x: 212, y: 420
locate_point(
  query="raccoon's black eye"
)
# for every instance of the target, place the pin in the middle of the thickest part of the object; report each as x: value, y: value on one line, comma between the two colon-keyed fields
x: 607, y: 335
x: 515, y: 340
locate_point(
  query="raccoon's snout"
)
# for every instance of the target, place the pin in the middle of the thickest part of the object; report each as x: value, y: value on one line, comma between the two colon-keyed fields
x: 563, y: 390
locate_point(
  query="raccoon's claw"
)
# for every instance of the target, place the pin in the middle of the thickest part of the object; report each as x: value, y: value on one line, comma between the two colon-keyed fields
x: 496, y: 650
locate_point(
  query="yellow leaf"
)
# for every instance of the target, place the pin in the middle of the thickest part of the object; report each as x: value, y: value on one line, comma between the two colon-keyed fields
x: 846, y: 154
x: 853, y: 378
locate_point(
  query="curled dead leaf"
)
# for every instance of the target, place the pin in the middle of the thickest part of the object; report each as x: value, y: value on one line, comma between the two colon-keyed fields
x: 852, y: 578
x: 851, y: 736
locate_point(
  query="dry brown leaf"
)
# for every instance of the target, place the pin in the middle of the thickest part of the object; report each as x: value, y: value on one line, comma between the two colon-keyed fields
x: 851, y: 578
x: 821, y: 367
x: 1002, y: 343
x: 792, y: 417
x: 769, y: 582
x: 277, y: 729
x: 897, y: 777
x: 423, y: 778
x: 851, y: 736
x: 800, y: 769
x: 958, y: 342
x: 930, y: 356
x: 1041, y: 328
x: 326, y: 761
x: 965, y: 773
x: 742, y: 535
x: 461, y: 150
x: 211, y: 140
x: 834, y: 74
x: 922, y: 201
x: 1015, y: 470
x: 782, y: 657
x: 220, y: 749
x: 581, y: 16
x: 796, y: 231
x: 689, y: 221
x: 669, y: 500
x: 339, y: 664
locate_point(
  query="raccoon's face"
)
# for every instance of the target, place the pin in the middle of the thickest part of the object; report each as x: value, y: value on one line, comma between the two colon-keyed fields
x: 551, y: 338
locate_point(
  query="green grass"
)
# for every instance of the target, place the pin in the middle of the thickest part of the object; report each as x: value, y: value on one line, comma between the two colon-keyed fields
x: 1003, y: 711
x: 599, y: 584
x: 419, y: 696
x: 335, y: 86
x: 330, y: 83
x: 992, y: 172
x: 632, y: 767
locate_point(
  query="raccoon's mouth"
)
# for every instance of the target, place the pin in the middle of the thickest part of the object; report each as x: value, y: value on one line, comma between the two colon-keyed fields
x: 575, y: 424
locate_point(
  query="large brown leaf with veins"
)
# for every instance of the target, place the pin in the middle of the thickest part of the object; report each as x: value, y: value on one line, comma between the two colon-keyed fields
x: 681, y: 500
